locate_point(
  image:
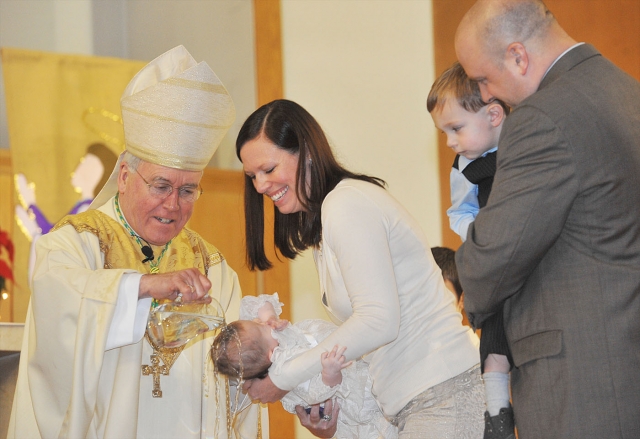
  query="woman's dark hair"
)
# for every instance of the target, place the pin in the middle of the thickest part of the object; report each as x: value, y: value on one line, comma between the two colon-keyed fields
x: 291, y: 128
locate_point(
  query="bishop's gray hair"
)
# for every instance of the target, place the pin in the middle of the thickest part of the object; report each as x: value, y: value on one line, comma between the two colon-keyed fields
x: 131, y: 160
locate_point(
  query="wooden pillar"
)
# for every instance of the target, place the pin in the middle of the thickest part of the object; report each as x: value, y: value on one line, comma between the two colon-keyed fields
x: 268, y: 50
x: 270, y: 87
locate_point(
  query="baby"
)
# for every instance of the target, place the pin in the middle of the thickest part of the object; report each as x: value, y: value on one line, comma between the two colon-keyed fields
x: 248, y: 348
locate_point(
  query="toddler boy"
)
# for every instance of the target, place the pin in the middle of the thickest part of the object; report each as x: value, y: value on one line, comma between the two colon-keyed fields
x: 473, y: 127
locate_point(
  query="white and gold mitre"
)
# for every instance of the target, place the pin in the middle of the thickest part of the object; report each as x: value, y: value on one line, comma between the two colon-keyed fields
x: 176, y: 112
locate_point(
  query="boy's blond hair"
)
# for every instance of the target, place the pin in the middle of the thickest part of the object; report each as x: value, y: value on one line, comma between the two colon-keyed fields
x: 454, y: 83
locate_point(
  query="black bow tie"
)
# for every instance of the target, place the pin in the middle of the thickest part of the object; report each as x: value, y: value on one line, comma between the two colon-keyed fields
x: 481, y: 172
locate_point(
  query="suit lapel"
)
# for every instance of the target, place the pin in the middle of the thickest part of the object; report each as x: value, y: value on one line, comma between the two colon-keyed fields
x: 570, y: 59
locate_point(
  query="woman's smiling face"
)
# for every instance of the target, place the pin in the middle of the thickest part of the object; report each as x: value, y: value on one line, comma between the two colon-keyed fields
x: 273, y: 173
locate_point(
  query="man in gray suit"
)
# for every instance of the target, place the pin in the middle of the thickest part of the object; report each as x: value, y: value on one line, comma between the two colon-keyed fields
x: 558, y: 242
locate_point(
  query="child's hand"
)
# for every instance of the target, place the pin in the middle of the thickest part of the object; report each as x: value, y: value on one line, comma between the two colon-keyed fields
x: 276, y: 324
x: 332, y: 364
x: 267, y: 312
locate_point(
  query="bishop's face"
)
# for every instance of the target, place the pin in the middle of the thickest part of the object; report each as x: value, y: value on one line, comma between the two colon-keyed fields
x: 156, y: 219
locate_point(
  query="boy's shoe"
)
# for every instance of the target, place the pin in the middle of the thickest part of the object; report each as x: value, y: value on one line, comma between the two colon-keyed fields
x: 500, y: 426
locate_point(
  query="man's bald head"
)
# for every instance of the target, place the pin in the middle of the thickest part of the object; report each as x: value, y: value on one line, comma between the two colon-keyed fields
x: 494, y: 24
x: 508, y: 45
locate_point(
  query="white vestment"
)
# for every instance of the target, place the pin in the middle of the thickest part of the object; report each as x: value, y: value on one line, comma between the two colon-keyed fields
x: 71, y: 385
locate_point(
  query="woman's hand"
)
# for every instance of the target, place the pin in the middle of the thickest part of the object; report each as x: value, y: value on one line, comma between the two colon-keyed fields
x: 263, y: 390
x: 320, y: 426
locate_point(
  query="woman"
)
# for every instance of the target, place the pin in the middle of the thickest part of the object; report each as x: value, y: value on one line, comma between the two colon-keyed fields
x: 378, y: 279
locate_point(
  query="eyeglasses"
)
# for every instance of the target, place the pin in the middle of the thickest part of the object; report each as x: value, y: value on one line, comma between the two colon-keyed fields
x: 188, y: 194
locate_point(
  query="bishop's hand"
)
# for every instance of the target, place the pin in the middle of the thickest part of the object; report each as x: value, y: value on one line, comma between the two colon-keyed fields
x: 185, y: 285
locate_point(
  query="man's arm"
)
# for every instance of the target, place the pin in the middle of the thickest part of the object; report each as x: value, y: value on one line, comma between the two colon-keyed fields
x: 532, y: 194
x: 73, y: 303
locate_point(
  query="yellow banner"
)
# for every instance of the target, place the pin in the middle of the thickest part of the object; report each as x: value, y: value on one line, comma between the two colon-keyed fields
x: 63, y: 114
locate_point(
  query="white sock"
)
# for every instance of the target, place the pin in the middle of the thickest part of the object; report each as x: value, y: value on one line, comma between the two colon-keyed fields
x: 496, y: 391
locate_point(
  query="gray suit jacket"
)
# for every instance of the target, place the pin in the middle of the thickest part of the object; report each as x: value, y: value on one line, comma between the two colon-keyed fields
x: 559, y: 245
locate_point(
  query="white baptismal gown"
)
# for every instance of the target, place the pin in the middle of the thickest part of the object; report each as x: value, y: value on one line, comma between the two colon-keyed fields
x: 359, y: 417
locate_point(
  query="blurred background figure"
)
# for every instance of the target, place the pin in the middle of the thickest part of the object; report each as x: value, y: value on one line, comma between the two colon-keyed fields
x: 87, y: 180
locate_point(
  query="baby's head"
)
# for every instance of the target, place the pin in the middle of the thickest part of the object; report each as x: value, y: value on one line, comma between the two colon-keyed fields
x: 446, y: 260
x: 472, y: 126
x: 243, y: 350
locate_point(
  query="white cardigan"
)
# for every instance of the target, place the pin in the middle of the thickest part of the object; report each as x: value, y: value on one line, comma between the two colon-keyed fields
x: 381, y: 285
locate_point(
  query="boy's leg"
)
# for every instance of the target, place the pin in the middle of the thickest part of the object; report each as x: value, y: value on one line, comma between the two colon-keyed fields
x: 499, y: 422
x: 496, y: 383
x: 496, y: 364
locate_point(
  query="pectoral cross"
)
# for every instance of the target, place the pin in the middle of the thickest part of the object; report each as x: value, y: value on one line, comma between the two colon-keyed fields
x: 168, y: 356
x: 156, y: 370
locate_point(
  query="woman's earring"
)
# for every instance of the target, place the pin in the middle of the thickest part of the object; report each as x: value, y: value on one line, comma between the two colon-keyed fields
x: 310, y: 162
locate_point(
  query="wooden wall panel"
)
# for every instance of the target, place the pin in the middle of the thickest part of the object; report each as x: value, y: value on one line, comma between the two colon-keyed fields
x: 612, y: 26
x: 270, y: 86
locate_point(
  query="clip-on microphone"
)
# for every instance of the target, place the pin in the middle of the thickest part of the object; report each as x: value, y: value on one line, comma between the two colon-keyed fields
x: 148, y: 252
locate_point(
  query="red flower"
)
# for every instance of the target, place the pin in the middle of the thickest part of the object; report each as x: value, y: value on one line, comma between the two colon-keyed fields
x: 6, y: 243
x: 5, y: 269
